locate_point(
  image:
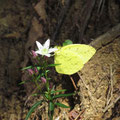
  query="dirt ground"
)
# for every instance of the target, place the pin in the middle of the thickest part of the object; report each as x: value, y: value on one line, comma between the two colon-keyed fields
x: 98, y: 95
x: 100, y: 91
x: 22, y: 22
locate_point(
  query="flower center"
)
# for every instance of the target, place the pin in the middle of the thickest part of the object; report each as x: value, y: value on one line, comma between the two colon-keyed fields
x: 44, y: 51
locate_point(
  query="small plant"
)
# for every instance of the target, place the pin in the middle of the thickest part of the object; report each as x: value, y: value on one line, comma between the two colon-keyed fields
x: 39, y: 73
x: 69, y: 59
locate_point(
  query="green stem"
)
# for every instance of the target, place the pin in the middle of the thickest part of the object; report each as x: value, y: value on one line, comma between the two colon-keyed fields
x: 38, y: 87
x: 50, y: 113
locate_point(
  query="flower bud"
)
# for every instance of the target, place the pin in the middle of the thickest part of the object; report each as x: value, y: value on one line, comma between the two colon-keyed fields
x: 36, y: 70
x: 51, y: 85
x: 34, y: 54
x: 30, y: 71
x: 43, y: 79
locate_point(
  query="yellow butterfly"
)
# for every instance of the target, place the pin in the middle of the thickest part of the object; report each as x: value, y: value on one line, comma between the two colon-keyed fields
x: 71, y: 58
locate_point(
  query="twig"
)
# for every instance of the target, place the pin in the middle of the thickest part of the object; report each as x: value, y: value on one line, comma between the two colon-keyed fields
x: 12, y: 117
x: 106, y: 38
x: 110, y: 92
x: 73, y: 82
x: 80, y: 114
x: 30, y: 96
x: 89, y: 93
x: 111, y: 104
x: 35, y: 115
x: 97, y: 86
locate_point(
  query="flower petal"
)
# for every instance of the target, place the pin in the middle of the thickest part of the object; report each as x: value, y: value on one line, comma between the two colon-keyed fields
x: 38, y: 52
x: 52, y: 50
x: 48, y: 55
x: 39, y: 45
x: 47, y: 44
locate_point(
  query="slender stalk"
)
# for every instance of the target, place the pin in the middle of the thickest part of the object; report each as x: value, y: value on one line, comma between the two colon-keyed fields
x: 50, y: 114
x: 36, y: 83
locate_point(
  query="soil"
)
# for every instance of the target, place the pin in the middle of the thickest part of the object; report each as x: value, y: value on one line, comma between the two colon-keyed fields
x: 22, y: 22
x: 101, y: 86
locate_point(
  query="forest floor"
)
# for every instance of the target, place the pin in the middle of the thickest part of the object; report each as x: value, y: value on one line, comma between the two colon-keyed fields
x: 98, y: 83
x: 98, y: 95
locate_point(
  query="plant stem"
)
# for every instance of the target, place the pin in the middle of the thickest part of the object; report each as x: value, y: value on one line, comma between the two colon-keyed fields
x: 38, y: 87
x: 50, y: 113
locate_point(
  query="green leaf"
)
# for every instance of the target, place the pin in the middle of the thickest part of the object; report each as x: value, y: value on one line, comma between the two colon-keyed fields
x: 38, y: 68
x: 43, y: 73
x: 47, y: 71
x: 46, y: 95
x: 51, y: 106
x: 22, y: 82
x: 61, y: 105
x: 62, y: 95
x: 52, y: 65
x: 33, y: 108
x: 29, y: 67
x: 48, y: 78
x: 38, y: 77
x: 35, y: 94
x: 67, y: 42
x: 52, y: 92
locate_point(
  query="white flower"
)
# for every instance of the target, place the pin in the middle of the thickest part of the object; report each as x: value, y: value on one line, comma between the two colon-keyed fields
x: 58, y: 118
x: 44, y: 49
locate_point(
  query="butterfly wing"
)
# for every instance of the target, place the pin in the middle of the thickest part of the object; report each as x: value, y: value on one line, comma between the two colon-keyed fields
x: 85, y: 52
x: 69, y: 61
